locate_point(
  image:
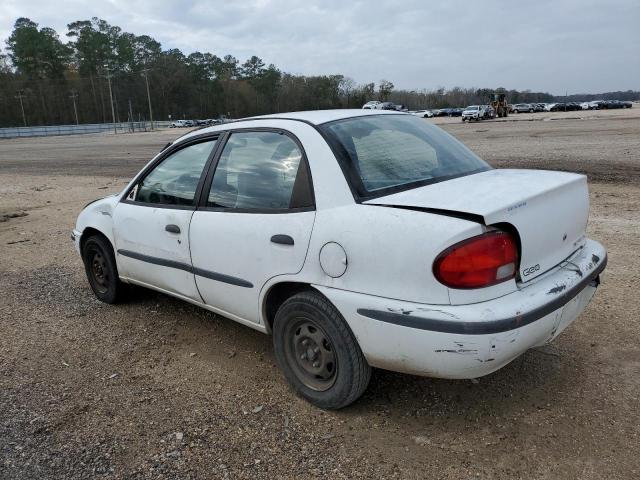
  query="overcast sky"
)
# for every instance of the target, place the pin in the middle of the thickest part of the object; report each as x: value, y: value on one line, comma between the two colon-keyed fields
x: 542, y: 45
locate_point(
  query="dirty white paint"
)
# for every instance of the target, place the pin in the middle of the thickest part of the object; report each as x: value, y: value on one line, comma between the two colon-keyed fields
x: 385, y: 258
x: 548, y: 209
x: 447, y: 355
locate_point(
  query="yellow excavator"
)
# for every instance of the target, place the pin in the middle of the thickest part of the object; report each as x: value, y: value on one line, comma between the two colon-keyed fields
x: 499, y: 104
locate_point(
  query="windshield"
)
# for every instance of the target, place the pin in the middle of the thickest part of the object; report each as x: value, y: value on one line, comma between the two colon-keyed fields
x: 381, y: 154
x: 473, y: 107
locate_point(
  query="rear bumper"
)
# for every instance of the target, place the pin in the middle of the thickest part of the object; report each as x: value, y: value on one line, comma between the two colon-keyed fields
x: 468, y: 341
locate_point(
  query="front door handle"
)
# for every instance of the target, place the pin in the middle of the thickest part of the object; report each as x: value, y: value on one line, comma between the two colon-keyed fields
x: 171, y: 228
x: 282, y: 239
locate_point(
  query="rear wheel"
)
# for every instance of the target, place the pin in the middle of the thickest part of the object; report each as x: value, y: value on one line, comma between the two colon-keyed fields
x: 102, y: 272
x: 317, y: 352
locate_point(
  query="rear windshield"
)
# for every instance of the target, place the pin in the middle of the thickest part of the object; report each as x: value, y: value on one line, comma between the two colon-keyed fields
x: 382, y: 154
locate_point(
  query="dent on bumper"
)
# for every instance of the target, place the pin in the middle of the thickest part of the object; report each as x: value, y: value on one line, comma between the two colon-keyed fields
x: 467, y: 341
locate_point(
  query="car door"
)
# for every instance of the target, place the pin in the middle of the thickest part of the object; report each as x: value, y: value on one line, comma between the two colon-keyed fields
x: 254, y: 221
x: 151, y: 223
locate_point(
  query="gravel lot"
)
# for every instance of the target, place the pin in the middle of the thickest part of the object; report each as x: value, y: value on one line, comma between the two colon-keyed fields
x: 157, y: 388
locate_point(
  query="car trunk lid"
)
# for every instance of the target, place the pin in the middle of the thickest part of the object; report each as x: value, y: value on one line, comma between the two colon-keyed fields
x: 548, y: 209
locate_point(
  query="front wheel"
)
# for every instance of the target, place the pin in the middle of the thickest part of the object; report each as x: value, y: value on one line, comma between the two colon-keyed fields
x: 318, y: 353
x: 102, y: 272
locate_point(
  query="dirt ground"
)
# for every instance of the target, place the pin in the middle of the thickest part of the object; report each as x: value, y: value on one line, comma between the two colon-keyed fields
x: 157, y: 388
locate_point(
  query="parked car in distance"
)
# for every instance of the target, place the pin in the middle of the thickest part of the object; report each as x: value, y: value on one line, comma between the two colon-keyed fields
x: 594, y: 105
x: 418, y: 257
x: 180, y: 124
x: 387, y: 106
x: 401, y: 108
x: 372, y: 105
x: 522, y: 108
x: 422, y: 113
x: 489, y: 112
x: 473, y: 112
x: 614, y: 104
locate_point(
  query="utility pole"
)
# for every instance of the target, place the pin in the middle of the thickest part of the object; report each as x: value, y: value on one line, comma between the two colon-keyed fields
x: 73, y: 96
x: 131, y: 120
x: 146, y: 81
x: 113, y: 112
x: 20, y: 96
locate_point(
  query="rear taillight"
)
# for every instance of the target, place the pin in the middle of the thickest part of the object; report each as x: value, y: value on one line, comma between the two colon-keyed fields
x: 478, y: 262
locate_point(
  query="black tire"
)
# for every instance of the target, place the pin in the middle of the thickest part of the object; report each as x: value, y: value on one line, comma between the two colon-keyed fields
x: 102, y: 272
x: 333, y: 372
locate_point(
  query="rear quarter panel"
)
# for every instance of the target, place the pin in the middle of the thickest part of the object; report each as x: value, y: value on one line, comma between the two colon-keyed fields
x: 390, y: 252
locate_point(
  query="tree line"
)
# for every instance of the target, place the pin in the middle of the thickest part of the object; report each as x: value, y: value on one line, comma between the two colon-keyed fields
x: 46, y: 81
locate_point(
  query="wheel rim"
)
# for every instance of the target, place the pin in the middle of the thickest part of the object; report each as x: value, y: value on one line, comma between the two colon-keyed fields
x: 99, y: 270
x: 310, y: 354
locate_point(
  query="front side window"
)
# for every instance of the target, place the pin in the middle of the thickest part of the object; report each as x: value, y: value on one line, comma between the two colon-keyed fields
x: 260, y: 170
x: 383, y: 154
x: 175, y: 180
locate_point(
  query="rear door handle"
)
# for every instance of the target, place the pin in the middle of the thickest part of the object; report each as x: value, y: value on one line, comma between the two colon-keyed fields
x: 171, y: 228
x: 282, y: 239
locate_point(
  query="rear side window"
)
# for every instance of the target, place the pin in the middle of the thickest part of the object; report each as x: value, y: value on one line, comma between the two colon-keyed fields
x: 261, y: 171
x: 175, y: 180
x: 383, y: 154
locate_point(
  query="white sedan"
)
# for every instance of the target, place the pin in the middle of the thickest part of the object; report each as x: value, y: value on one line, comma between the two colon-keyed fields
x: 358, y: 239
x: 422, y: 113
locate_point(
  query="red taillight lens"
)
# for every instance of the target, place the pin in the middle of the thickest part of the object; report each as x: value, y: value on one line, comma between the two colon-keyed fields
x: 478, y: 262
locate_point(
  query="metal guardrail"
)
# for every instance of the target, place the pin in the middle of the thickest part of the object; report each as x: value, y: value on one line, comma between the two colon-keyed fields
x: 51, y: 130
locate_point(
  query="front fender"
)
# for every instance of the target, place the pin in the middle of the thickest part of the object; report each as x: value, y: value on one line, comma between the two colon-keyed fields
x: 98, y: 215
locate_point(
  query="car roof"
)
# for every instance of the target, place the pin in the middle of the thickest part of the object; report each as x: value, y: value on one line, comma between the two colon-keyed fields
x: 318, y: 117
x: 314, y: 117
